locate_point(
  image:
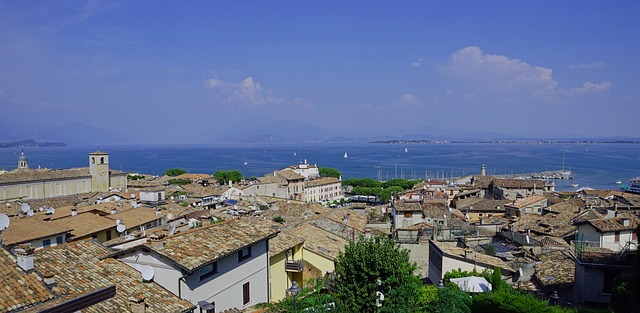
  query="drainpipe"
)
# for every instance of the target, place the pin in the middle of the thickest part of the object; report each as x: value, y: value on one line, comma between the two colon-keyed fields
x: 183, y: 278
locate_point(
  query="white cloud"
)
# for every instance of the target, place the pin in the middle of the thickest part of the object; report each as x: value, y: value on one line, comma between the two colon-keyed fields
x: 494, y: 73
x: 587, y: 66
x: 482, y: 73
x: 591, y: 87
x: 407, y: 100
x: 250, y: 93
x: 417, y: 63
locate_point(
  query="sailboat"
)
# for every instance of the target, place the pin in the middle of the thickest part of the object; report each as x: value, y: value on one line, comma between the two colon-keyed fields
x: 346, y: 156
x: 406, y: 150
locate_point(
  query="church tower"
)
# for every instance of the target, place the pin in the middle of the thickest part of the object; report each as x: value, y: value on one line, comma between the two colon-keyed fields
x: 99, y: 170
x: 22, y: 161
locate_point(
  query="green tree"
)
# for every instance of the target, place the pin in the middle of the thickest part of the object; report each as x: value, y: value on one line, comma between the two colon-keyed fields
x: 329, y: 172
x: 361, y: 182
x: 225, y: 176
x: 451, y: 300
x: 364, y: 262
x: 174, y: 172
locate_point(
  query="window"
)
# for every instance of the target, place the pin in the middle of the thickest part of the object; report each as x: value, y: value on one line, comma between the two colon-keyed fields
x: 108, y: 234
x: 408, y: 214
x: 46, y: 243
x: 244, y: 254
x: 59, y: 240
x: 208, y: 271
x: 245, y: 293
x: 616, y: 236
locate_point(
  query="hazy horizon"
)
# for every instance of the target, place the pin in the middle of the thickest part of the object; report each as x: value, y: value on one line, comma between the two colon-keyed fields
x: 162, y: 72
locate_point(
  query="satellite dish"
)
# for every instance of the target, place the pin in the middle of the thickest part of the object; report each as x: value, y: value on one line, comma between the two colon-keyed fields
x: 30, y: 213
x: 51, y: 210
x: 25, y: 208
x: 120, y: 228
x: 147, y: 273
x: 4, y: 222
x: 118, y: 222
x: 8, y: 205
x: 40, y: 209
x: 169, y: 216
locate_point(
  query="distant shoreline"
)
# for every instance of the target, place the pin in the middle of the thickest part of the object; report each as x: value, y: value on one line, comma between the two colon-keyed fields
x: 30, y: 143
x: 399, y: 141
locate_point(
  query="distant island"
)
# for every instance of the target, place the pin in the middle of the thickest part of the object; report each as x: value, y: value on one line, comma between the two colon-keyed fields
x: 30, y: 143
x: 425, y: 141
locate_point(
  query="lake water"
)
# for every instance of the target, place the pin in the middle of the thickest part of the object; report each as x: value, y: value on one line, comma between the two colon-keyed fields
x: 595, y: 165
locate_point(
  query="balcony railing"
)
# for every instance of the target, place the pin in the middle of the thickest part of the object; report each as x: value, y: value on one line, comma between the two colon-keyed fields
x: 294, y: 266
x: 601, y: 253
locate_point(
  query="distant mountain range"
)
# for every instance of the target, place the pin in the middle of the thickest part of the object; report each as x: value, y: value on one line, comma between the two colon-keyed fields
x: 30, y: 143
x: 262, y: 131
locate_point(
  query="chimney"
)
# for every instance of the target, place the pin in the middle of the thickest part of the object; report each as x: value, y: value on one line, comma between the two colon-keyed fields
x: 469, y: 254
x: 49, y: 278
x: 74, y: 211
x: 137, y: 303
x: 113, y: 211
x: 625, y: 222
x: 158, y: 211
x: 157, y: 240
x: 615, y: 209
x: 230, y: 183
x: 24, y: 256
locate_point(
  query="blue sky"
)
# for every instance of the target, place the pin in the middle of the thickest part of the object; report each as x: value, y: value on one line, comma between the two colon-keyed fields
x: 354, y: 68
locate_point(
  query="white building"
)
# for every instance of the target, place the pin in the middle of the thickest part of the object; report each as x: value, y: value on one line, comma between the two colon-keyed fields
x: 226, y: 264
x: 323, y: 189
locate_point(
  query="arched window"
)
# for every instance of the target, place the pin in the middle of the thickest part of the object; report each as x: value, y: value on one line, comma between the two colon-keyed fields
x: 102, y: 160
x: 93, y: 160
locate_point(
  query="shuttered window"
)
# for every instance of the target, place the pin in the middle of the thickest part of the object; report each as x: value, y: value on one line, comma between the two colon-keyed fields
x: 245, y: 293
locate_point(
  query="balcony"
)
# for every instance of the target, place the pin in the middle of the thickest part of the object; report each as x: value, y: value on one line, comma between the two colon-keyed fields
x: 607, y: 253
x: 294, y: 266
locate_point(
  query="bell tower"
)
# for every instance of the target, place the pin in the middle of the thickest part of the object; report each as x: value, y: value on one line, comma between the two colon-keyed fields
x: 99, y: 171
x: 22, y: 161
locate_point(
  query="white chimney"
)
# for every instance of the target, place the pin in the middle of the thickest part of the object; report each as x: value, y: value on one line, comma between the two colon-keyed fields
x: 625, y: 222
x: 74, y: 211
x: 24, y: 256
x: 113, y: 211
x: 137, y: 303
x: 157, y: 240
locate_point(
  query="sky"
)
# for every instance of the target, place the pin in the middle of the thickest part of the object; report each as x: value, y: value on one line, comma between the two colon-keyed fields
x: 173, y: 71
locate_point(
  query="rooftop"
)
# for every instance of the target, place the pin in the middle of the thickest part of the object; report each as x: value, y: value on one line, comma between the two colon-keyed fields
x: 19, y: 289
x: 197, y: 247
x: 26, y: 229
x: 283, y: 242
x: 80, y: 267
x: 320, y: 241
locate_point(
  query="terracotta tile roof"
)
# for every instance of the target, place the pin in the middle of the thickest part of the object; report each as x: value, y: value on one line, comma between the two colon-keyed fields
x: 85, y: 224
x: 26, y: 229
x: 290, y: 175
x: 199, y: 191
x: 135, y: 217
x: 407, y: 206
x: 321, y: 181
x: 417, y: 226
x: 273, y: 179
x: 26, y: 175
x: 482, y: 181
x: 18, y: 289
x: 61, y: 201
x: 320, y: 241
x: 482, y: 205
x: 556, y: 269
x: 80, y: 267
x: 605, y: 225
x: 350, y: 218
x: 195, y: 177
x: 197, y: 247
x: 283, y: 242
x: 521, y: 203
x: 435, y: 209
x: 518, y: 183
x: 296, y: 213
x: 478, y: 257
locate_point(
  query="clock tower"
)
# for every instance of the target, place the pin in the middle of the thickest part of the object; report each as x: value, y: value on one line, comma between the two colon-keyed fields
x: 99, y: 170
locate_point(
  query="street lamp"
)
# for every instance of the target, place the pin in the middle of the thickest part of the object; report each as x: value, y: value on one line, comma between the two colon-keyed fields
x: 294, y: 289
x: 553, y: 299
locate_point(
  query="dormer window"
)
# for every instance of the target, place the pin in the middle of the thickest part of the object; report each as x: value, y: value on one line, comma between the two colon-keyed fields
x: 244, y: 254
